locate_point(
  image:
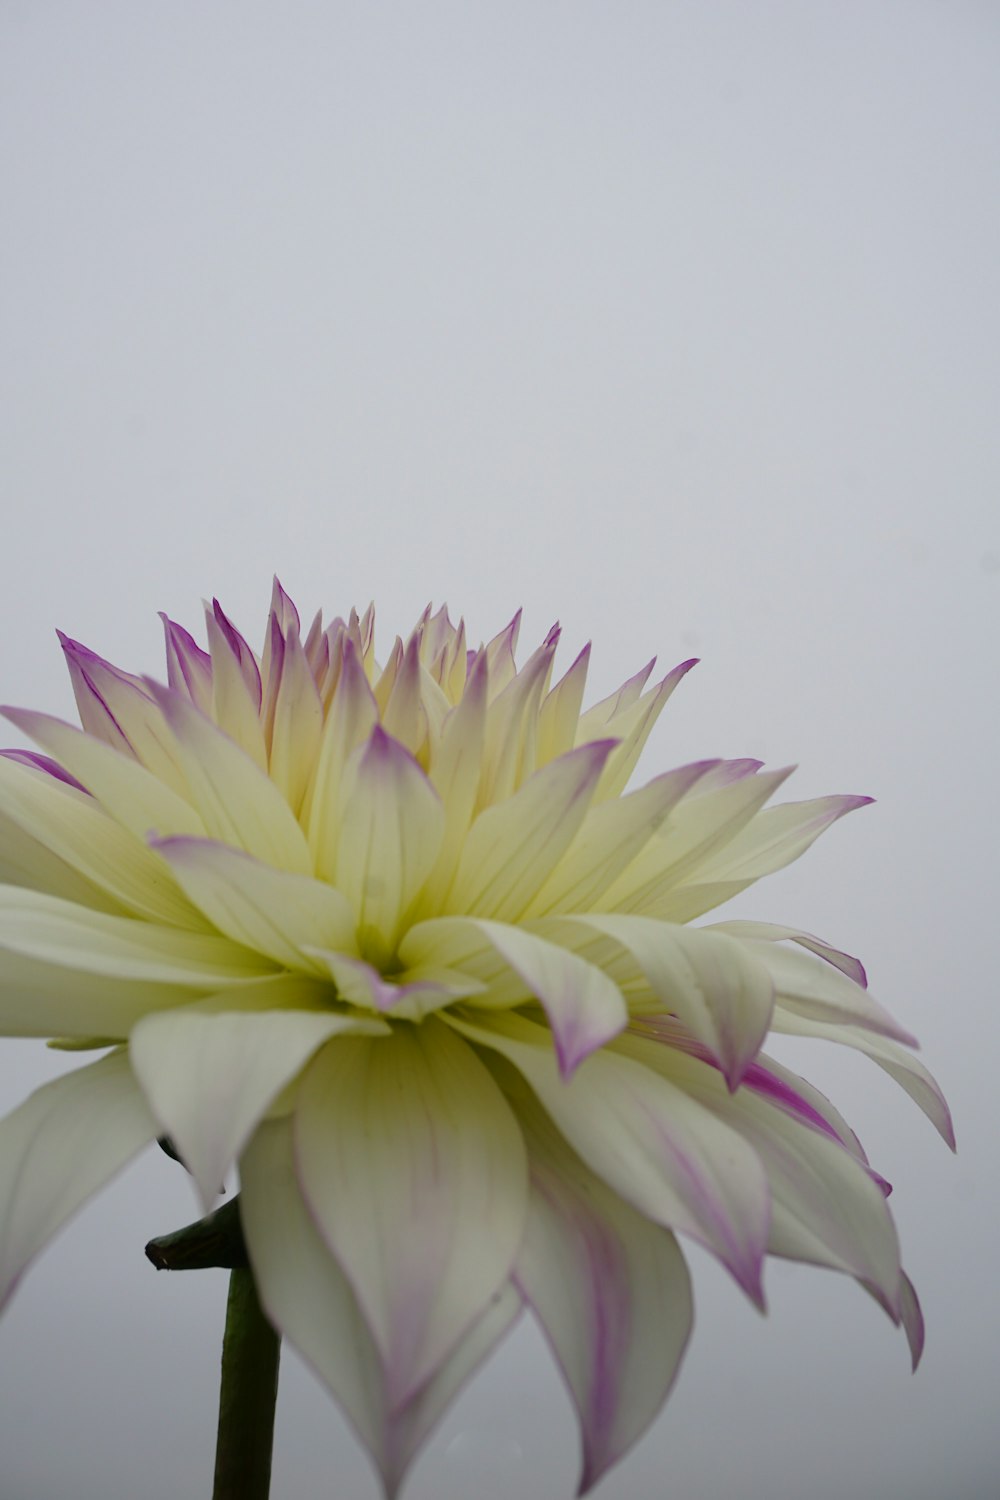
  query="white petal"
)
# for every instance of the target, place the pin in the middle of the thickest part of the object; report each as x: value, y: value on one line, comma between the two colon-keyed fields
x: 238, y: 803
x: 391, y: 824
x: 414, y: 1171
x: 772, y: 933
x: 411, y: 994
x: 236, y: 686
x: 58, y: 1148
x: 610, y: 837
x: 654, y: 1146
x: 610, y: 1289
x: 307, y: 1296
x: 633, y: 725
x: 804, y: 985
x: 76, y: 828
x: 583, y: 1005
x: 210, y: 1078
x: 511, y: 848
x: 907, y: 1071
x: 701, y: 823
x: 130, y: 793
x: 40, y: 927
x: 296, y: 725
x: 352, y: 716
x: 707, y: 979
x: 277, y: 913
x: 826, y: 1208
x: 44, y: 999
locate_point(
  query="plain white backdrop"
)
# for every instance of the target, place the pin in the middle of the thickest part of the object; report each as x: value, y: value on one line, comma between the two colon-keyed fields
x: 676, y: 321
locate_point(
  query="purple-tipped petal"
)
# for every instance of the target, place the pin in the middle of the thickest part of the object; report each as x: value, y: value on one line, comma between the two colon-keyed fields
x: 189, y: 668
x: 45, y: 763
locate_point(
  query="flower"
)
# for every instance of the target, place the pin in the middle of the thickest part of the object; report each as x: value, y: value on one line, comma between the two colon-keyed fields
x: 397, y: 942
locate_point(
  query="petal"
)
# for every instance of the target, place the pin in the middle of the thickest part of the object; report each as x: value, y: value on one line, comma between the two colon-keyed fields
x: 189, y: 668
x: 701, y: 823
x: 610, y: 1289
x: 352, y: 716
x: 707, y: 979
x: 511, y: 848
x: 272, y: 911
x: 132, y: 795
x: 906, y: 1070
x: 39, y: 998
x: 654, y: 1146
x: 410, y: 994
x: 63, y: 1143
x: 116, y: 707
x: 511, y: 719
x: 236, y: 686
x: 69, y: 937
x: 296, y: 725
x: 806, y: 986
x: 238, y: 803
x: 209, y: 1079
x: 772, y: 933
x: 77, y: 830
x: 455, y: 769
x: 559, y: 714
x: 391, y: 825
x: 827, y: 1210
x: 610, y: 837
x: 584, y: 1007
x: 382, y: 1126
x: 633, y: 726
x: 307, y: 1296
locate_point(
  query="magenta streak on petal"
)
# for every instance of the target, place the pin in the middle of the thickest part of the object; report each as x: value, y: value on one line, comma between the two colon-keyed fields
x: 44, y: 763
x: 185, y: 658
x: 238, y: 646
x: 92, y: 689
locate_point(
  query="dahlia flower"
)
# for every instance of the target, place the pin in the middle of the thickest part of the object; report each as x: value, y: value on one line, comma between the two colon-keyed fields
x: 395, y: 942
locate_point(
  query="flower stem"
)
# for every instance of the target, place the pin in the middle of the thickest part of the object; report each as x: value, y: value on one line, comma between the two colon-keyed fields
x: 250, y: 1350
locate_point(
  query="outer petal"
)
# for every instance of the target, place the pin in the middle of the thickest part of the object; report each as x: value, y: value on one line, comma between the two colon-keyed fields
x: 75, y: 828
x: 720, y: 992
x: 610, y: 1289
x: 907, y: 1071
x: 132, y: 795
x: 352, y: 716
x: 817, y: 991
x: 382, y: 1125
x: 309, y: 1299
x: 210, y: 1078
x: 610, y: 837
x: 511, y: 848
x: 276, y: 913
x: 50, y: 931
x: 703, y: 822
x: 633, y: 726
x: 58, y: 1148
x: 827, y: 1209
x: 772, y: 933
x: 653, y: 1145
x: 583, y: 1006
x: 391, y: 825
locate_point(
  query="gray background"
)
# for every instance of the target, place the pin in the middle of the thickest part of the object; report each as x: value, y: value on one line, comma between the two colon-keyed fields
x: 676, y: 321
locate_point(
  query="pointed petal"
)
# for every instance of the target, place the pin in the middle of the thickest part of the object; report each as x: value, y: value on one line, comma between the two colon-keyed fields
x: 63, y: 1144
x: 269, y: 910
x: 352, y: 716
x: 610, y: 1289
x: 236, y: 686
x: 131, y: 794
x: 209, y: 1079
x: 511, y: 849
x: 775, y: 838
x: 296, y: 725
x: 654, y: 1146
x: 806, y: 986
x: 772, y: 933
x: 610, y: 837
x: 307, y: 1297
x: 77, y: 830
x: 380, y: 1125
x: 633, y: 726
x: 391, y: 825
x: 827, y: 1210
x: 701, y: 822
x: 707, y: 979
x: 455, y: 769
x: 559, y: 714
x: 238, y: 803
x: 906, y: 1070
x: 189, y: 669
x: 69, y: 937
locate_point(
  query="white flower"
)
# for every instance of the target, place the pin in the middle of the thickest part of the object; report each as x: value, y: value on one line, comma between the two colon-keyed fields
x: 397, y: 942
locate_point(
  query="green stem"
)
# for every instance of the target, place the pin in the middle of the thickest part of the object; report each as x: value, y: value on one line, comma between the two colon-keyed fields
x: 250, y: 1349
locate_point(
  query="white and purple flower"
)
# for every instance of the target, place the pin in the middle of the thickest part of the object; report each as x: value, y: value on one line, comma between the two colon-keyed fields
x: 396, y: 942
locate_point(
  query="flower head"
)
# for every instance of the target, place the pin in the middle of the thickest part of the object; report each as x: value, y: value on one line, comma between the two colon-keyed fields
x: 397, y: 942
